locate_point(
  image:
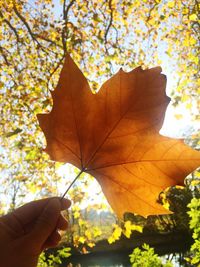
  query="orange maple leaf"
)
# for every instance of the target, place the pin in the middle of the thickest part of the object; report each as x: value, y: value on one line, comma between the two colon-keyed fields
x: 114, y: 136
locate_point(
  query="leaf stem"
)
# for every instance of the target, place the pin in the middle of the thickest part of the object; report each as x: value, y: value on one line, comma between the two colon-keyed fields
x: 78, y: 175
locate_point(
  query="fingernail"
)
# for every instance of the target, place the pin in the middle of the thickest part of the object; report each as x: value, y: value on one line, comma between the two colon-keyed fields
x: 66, y: 203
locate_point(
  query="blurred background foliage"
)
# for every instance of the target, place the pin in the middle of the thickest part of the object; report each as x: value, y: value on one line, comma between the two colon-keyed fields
x: 101, y: 36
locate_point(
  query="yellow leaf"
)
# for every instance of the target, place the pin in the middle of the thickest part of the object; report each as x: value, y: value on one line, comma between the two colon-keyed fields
x: 189, y: 105
x: 96, y: 232
x: 171, y: 4
x: 82, y: 239
x: 179, y: 187
x: 193, y: 17
x: 195, y: 182
x: 129, y: 227
x: 81, y: 222
x: 91, y: 244
x: 117, y: 232
x: 76, y: 214
x: 193, y: 41
x: 186, y: 42
x: 198, y: 174
x: 138, y: 228
x: 184, y: 98
x: 20, y: 32
x: 53, y: 36
x: 178, y: 116
x: 166, y: 205
x: 88, y: 234
x: 115, y: 235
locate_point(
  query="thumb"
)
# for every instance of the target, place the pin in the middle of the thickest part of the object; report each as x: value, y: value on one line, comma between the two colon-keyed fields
x: 46, y: 222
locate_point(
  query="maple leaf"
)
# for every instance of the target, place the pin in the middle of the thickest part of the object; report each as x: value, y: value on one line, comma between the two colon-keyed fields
x: 114, y: 136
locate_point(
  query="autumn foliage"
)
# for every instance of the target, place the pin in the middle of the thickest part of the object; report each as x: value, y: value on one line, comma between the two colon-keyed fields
x: 100, y: 36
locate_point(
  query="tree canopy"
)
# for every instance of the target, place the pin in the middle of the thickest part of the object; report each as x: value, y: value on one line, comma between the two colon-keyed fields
x: 101, y: 36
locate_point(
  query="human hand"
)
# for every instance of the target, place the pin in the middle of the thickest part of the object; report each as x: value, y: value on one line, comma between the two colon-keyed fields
x: 26, y: 231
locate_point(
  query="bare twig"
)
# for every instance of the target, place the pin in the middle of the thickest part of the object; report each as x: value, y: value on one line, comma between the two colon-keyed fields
x: 56, y: 68
x: 47, y: 40
x: 107, y: 31
x: 65, y: 18
x: 10, y: 26
x: 4, y: 56
x: 150, y: 11
x: 32, y: 34
x: 110, y: 21
x: 26, y: 25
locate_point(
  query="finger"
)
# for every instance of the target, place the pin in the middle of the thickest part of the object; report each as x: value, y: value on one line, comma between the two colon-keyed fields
x: 53, y: 240
x: 29, y: 212
x: 46, y: 222
x: 62, y: 223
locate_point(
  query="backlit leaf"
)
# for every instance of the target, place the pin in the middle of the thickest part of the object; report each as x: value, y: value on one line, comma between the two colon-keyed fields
x: 114, y: 136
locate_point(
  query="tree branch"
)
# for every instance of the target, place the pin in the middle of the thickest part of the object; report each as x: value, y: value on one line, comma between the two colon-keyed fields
x: 4, y: 56
x: 110, y: 22
x: 26, y: 25
x: 47, y: 40
x: 65, y: 18
x: 10, y: 26
x: 56, y: 68
x: 150, y: 11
